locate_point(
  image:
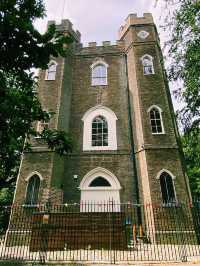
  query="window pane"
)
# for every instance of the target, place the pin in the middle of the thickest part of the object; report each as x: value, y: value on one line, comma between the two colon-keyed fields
x: 100, y: 182
x: 155, y: 120
x: 33, y: 190
x: 99, y: 75
x: 99, y: 132
x: 167, y: 188
x: 51, y: 75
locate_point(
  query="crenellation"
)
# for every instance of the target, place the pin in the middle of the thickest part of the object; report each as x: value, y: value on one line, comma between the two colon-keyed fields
x: 106, y: 43
x: 134, y: 20
x: 92, y: 44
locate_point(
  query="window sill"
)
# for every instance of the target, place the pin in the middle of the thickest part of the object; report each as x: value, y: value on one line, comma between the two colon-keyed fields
x: 162, y: 133
x: 29, y: 206
x: 100, y: 85
x: 170, y: 205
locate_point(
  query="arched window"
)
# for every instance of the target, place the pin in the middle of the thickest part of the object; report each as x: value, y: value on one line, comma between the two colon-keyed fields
x: 99, y: 73
x: 99, y: 182
x: 99, y: 131
x: 147, y: 62
x: 42, y: 125
x: 155, y: 116
x: 167, y: 188
x: 51, y: 71
x: 32, y: 190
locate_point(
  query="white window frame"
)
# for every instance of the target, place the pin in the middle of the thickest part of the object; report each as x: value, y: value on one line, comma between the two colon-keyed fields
x: 47, y: 71
x: 41, y: 128
x: 95, y: 64
x: 161, y: 119
x: 173, y: 182
x: 87, y: 128
x: 152, y: 65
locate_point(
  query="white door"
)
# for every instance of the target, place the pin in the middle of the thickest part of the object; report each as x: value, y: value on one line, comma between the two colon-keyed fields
x: 100, y: 200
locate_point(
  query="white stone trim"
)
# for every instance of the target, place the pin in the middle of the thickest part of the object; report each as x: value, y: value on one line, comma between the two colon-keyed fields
x: 46, y: 72
x: 99, y: 171
x: 143, y: 34
x: 151, y: 59
x: 87, y: 128
x: 32, y: 174
x: 167, y: 171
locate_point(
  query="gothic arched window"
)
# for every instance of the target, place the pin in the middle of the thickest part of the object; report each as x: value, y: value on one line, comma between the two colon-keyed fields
x: 99, y: 131
x: 167, y: 188
x: 147, y: 62
x: 32, y: 190
x: 155, y: 116
x: 99, y: 182
x: 51, y: 71
x: 99, y: 73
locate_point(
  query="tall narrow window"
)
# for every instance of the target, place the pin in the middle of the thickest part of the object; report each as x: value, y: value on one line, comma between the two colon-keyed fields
x: 156, y: 120
x: 32, y: 190
x: 51, y: 71
x: 99, y: 131
x: 42, y: 125
x: 147, y: 62
x: 167, y: 188
x: 99, y: 74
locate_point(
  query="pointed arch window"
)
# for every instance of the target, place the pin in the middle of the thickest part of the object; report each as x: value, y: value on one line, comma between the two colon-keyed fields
x: 167, y: 188
x: 99, y: 131
x: 147, y: 62
x: 155, y: 116
x: 51, y: 71
x: 99, y: 73
x: 100, y: 182
x: 32, y: 191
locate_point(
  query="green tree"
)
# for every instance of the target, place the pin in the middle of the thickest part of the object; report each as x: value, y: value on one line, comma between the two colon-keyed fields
x: 191, y: 148
x: 184, y: 53
x: 23, y: 48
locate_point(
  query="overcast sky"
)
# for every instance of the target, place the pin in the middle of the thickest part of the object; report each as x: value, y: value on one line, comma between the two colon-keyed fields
x: 97, y: 20
x: 100, y: 20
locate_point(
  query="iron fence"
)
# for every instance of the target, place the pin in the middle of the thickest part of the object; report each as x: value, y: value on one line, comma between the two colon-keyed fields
x: 103, y: 232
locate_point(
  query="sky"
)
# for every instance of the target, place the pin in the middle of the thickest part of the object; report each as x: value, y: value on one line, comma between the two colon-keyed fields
x: 98, y: 20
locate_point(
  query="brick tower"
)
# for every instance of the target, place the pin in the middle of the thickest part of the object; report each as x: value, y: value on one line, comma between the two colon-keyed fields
x: 115, y: 102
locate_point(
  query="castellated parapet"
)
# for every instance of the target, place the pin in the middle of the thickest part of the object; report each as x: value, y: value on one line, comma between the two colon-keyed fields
x: 66, y: 27
x: 133, y: 19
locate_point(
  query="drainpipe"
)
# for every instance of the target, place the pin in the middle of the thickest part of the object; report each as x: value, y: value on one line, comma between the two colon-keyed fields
x: 133, y: 157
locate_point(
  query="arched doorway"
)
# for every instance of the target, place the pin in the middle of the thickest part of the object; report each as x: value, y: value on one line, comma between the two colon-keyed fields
x: 100, y: 191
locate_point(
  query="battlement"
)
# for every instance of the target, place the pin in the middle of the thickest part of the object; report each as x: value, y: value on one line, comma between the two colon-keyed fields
x: 119, y: 43
x: 133, y: 19
x: 66, y: 27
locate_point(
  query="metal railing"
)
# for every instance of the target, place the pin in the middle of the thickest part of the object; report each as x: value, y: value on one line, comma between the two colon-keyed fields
x: 101, y: 232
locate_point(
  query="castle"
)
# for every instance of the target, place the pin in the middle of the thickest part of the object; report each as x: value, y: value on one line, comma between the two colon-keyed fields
x: 115, y: 102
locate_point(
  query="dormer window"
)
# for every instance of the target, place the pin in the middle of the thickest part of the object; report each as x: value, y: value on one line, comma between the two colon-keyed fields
x: 99, y: 73
x: 51, y: 71
x: 147, y: 62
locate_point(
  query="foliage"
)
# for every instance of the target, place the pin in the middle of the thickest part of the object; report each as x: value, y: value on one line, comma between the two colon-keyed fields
x: 23, y: 48
x: 184, y: 53
x: 184, y: 50
x: 191, y: 148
